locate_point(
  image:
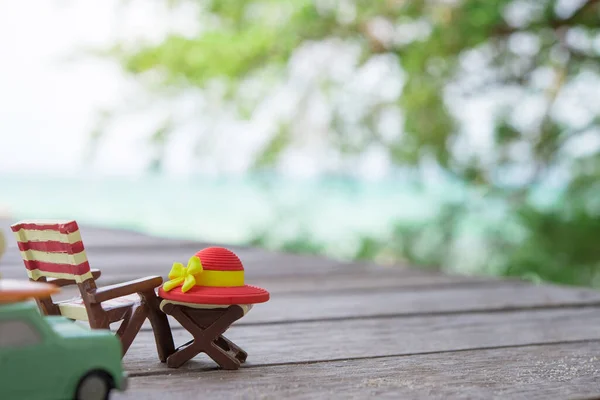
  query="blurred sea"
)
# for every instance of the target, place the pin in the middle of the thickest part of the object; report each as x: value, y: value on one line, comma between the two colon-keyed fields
x: 333, y: 211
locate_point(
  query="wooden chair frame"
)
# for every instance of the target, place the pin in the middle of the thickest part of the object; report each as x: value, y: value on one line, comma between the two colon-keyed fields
x: 132, y: 315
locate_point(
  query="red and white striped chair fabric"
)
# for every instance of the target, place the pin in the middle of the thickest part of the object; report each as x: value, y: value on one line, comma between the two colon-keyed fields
x: 54, y: 249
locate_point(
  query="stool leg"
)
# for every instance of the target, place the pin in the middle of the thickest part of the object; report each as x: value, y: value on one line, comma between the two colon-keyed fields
x: 183, y: 355
x: 228, y: 345
x: 189, y: 350
x: 221, y: 357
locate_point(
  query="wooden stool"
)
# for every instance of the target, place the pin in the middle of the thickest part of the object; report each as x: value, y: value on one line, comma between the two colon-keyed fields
x: 207, y: 326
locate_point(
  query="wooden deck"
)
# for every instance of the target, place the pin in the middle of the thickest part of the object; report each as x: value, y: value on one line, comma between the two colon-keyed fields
x: 334, y: 330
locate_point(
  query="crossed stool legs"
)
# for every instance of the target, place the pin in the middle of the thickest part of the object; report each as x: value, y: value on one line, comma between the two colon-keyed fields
x: 207, y: 326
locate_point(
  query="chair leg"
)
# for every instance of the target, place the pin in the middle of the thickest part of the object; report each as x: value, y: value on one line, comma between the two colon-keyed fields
x: 131, y: 326
x: 45, y: 304
x: 125, y: 323
x: 98, y: 318
x: 160, y: 326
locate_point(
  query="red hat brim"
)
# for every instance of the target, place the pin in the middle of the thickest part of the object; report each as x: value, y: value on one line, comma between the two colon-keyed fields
x: 246, y: 294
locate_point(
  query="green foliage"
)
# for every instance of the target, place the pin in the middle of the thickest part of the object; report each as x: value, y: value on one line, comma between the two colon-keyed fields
x: 565, y: 252
x: 448, y: 53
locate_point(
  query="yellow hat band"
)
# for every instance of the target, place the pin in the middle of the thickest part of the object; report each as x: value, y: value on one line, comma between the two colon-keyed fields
x: 195, y: 275
x: 220, y: 278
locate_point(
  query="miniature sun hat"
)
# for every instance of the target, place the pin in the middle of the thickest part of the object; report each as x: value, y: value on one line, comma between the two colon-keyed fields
x: 214, y: 275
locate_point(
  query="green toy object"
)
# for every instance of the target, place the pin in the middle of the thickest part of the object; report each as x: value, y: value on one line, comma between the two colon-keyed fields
x: 55, y: 358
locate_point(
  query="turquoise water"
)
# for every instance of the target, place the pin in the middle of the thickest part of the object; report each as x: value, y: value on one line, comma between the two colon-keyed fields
x: 334, y: 211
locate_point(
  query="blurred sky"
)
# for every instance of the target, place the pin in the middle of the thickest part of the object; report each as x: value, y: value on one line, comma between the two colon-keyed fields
x: 51, y: 93
x: 48, y: 98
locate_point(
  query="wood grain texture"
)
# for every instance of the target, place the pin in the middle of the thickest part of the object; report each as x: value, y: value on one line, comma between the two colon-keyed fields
x: 562, y: 371
x: 399, y: 302
x: 289, y: 307
x: 380, y: 279
x: 376, y: 337
x: 354, y: 330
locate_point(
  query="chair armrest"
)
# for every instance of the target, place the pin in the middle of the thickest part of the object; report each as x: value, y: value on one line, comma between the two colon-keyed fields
x: 66, y: 282
x: 123, y: 289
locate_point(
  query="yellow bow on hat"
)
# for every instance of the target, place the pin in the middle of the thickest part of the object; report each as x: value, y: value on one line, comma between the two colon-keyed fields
x: 180, y: 274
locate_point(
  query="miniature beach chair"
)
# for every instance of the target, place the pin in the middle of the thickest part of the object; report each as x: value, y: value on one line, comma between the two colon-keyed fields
x: 206, y: 298
x: 53, y: 252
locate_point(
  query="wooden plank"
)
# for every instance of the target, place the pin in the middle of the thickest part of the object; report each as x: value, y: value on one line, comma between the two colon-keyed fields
x: 387, y: 303
x: 380, y: 279
x: 532, y: 372
x: 381, y: 303
x: 378, y: 337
